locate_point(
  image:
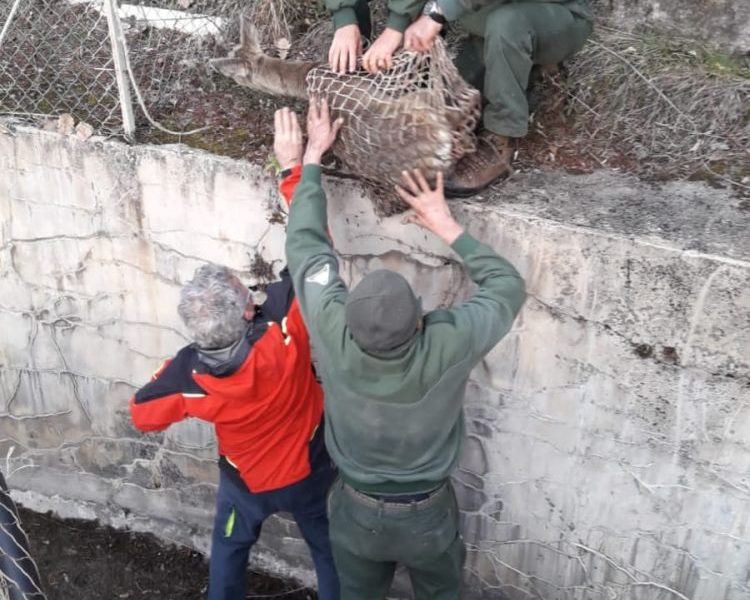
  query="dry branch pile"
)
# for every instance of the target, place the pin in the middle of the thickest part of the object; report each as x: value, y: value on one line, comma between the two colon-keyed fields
x: 675, y: 109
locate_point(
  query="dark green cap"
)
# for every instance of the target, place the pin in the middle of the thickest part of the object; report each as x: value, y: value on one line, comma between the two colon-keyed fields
x: 382, y: 312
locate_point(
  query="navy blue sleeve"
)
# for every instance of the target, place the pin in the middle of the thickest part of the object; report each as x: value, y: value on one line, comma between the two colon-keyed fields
x: 279, y: 298
x: 176, y: 378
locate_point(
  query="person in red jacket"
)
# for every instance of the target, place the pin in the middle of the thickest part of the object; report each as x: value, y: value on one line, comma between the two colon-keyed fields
x: 249, y: 372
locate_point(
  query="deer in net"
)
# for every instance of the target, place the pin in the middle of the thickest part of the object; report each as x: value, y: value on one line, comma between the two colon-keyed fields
x: 419, y: 114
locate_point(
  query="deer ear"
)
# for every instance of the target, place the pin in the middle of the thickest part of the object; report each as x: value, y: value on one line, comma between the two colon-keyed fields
x: 231, y: 67
x: 249, y: 37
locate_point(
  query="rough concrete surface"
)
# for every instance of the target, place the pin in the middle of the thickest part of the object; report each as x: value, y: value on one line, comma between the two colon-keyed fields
x: 722, y: 23
x: 608, y: 448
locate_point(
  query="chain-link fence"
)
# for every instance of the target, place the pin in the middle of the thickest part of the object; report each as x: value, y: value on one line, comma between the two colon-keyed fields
x: 56, y: 57
x: 142, y: 68
x: 103, y: 61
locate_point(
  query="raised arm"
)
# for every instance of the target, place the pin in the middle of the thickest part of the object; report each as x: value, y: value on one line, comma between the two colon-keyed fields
x: 312, y: 263
x: 287, y: 147
x: 489, y: 313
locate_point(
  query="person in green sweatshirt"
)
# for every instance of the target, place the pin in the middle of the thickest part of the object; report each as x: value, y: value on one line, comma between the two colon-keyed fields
x: 394, y: 380
x: 507, y: 38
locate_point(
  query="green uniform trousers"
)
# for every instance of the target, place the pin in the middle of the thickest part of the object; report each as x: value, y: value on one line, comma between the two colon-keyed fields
x: 507, y: 41
x: 370, y: 537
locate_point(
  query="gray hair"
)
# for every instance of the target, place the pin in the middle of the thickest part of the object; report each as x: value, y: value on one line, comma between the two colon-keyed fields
x: 212, y: 306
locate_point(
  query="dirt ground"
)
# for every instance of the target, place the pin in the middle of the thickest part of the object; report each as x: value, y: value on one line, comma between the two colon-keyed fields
x: 81, y: 560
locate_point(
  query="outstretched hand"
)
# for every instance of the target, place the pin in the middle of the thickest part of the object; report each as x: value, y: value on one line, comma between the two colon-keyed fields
x: 287, y: 138
x: 321, y: 133
x: 430, y: 208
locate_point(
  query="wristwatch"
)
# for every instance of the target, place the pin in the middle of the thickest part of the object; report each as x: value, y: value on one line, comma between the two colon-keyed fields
x: 432, y: 9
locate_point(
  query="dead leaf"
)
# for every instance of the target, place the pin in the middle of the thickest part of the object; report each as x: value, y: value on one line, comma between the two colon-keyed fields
x: 65, y: 124
x: 283, y: 45
x: 84, y: 131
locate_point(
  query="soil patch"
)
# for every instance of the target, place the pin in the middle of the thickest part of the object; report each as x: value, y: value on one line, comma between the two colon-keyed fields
x: 87, y: 561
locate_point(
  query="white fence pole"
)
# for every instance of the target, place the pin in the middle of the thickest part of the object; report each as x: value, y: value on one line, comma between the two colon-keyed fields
x: 8, y: 22
x: 121, y: 70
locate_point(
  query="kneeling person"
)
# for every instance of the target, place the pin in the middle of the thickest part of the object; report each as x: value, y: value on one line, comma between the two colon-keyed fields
x: 507, y: 39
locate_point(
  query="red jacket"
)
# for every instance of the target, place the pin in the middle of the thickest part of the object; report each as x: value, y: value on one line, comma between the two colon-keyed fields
x: 266, y: 404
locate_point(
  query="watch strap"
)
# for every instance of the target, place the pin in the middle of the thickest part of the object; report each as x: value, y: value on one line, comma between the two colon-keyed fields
x: 432, y: 10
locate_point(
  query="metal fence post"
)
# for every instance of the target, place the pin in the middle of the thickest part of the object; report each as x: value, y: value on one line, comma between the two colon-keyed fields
x: 121, y: 69
x: 12, y: 14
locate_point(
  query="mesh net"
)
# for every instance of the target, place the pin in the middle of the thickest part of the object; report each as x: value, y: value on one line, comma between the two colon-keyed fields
x: 418, y: 114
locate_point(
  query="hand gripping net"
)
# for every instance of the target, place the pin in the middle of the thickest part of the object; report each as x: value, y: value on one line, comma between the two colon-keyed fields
x: 418, y: 114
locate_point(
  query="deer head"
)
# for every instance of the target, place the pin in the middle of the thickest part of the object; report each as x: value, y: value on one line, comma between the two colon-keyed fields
x: 250, y: 67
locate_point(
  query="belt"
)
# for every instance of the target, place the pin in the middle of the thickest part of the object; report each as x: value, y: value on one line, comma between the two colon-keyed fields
x: 403, y: 499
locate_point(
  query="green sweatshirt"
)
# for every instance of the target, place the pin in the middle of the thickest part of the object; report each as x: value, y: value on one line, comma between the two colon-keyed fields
x: 402, y: 12
x: 394, y: 421
x: 455, y: 9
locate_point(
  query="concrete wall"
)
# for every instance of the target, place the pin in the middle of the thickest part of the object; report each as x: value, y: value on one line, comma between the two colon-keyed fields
x: 608, y: 451
x: 725, y: 24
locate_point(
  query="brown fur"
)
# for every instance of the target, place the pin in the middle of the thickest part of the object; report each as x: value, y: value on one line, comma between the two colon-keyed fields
x: 386, y: 128
x: 250, y: 67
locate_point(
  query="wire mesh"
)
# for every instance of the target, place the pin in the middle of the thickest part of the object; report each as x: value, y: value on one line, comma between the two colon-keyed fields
x: 169, y: 44
x: 56, y: 58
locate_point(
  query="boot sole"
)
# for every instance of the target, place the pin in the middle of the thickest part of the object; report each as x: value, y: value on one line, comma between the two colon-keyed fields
x: 451, y: 192
x: 460, y: 193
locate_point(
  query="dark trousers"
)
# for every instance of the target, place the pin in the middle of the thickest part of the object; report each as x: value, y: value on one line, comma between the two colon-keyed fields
x: 507, y: 41
x: 370, y: 537
x: 239, y: 516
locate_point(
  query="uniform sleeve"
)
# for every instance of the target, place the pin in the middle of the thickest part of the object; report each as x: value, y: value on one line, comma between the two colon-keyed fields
x: 342, y: 12
x: 453, y: 9
x: 488, y: 315
x: 402, y: 12
x: 314, y: 267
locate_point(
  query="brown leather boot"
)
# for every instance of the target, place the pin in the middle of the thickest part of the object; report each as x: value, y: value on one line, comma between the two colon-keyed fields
x: 476, y: 171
